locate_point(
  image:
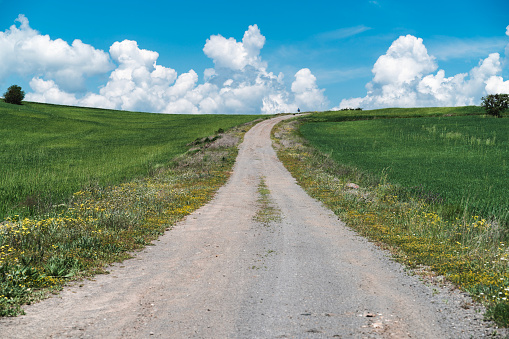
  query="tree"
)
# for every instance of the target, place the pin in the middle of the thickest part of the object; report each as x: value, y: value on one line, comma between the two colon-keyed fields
x: 495, y: 104
x: 14, y: 95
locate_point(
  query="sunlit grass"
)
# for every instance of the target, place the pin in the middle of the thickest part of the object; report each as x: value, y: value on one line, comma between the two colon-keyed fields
x: 47, y: 152
x: 470, y: 251
x: 459, y: 162
x: 393, y: 113
x: 103, y: 224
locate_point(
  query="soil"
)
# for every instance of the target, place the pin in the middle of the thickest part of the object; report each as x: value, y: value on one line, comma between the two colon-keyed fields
x: 222, y: 274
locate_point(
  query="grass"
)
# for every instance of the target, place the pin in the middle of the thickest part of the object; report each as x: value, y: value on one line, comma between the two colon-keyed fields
x: 47, y: 152
x: 103, y: 224
x: 267, y: 212
x: 470, y: 251
x: 393, y: 113
x: 460, y: 162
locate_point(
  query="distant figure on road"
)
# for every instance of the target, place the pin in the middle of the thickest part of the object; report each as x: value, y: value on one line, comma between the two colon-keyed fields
x: 298, y: 110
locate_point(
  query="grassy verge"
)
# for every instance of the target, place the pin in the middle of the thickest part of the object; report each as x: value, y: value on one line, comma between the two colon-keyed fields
x: 469, y: 251
x: 102, y: 224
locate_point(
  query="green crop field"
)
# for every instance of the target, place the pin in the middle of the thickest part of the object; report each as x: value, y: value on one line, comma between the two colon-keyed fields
x: 460, y: 162
x: 431, y: 187
x: 393, y: 113
x: 47, y: 152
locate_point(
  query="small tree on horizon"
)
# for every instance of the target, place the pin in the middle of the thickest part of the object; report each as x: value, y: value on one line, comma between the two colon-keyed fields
x: 495, y: 104
x: 14, y: 95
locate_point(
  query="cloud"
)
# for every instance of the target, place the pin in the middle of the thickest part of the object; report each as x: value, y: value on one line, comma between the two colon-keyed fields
x: 342, y: 33
x: 48, y: 91
x: 307, y: 96
x: 239, y: 82
x: 24, y: 51
x: 496, y: 84
x: 138, y: 83
x: 403, y: 77
x: 406, y: 60
x: 307, y: 93
x: 229, y: 53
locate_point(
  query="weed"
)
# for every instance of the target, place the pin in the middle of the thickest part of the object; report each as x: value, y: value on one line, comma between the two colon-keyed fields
x: 499, y: 313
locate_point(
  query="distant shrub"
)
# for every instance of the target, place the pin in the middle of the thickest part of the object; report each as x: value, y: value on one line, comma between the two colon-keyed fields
x: 495, y: 104
x: 14, y: 95
x: 351, y: 109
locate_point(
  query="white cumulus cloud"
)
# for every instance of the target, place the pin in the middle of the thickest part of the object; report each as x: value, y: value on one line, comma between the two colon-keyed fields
x: 48, y: 91
x: 25, y: 51
x: 235, y: 55
x: 403, y: 77
x: 307, y: 94
x: 496, y: 84
x: 239, y: 83
x: 406, y: 60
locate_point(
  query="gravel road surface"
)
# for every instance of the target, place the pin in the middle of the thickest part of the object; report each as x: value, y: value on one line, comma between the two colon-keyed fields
x: 221, y: 274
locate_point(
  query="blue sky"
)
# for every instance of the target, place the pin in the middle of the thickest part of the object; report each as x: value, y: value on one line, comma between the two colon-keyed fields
x: 309, y: 54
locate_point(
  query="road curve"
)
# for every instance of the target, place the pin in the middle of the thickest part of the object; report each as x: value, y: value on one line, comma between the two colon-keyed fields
x: 220, y: 274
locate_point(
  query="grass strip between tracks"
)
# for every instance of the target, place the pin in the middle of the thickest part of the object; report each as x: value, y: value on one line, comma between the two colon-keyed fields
x: 462, y: 252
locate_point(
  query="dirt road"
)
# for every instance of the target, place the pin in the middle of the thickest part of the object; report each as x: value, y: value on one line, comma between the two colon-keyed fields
x: 220, y: 274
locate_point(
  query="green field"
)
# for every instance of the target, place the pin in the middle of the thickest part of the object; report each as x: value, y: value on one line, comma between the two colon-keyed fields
x: 460, y: 162
x: 393, y: 113
x: 47, y: 152
x: 432, y: 188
